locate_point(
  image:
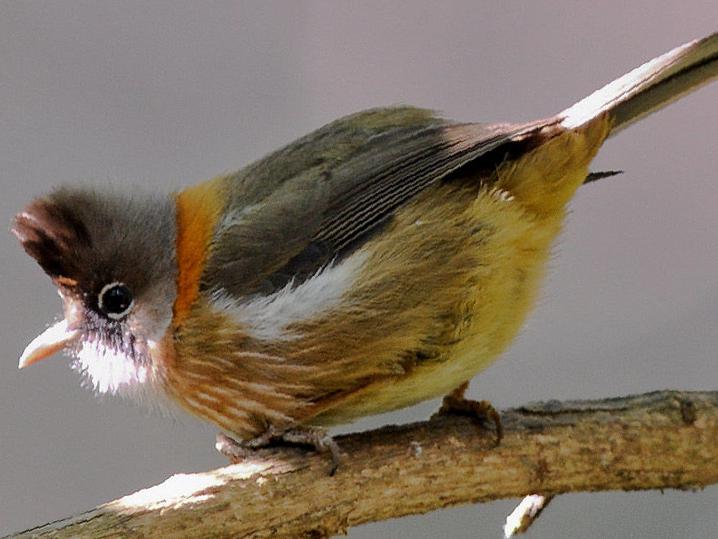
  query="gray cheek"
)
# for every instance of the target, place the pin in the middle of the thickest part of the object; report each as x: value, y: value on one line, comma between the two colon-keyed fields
x: 152, y: 313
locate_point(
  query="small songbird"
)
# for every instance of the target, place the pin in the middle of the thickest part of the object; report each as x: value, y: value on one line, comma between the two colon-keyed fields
x: 382, y: 260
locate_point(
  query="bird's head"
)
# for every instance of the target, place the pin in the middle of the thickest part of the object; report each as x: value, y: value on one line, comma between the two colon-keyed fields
x: 112, y: 258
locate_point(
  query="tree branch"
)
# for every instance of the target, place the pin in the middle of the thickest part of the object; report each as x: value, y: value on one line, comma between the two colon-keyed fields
x: 659, y: 440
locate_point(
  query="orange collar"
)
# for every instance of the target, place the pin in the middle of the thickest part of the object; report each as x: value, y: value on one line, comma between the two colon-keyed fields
x: 198, y: 209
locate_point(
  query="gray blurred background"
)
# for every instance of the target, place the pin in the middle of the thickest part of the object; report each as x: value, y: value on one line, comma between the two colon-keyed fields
x: 164, y: 94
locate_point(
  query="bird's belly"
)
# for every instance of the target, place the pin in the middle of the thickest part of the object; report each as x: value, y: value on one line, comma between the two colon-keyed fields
x: 425, y: 382
x: 467, y: 313
x: 470, y: 280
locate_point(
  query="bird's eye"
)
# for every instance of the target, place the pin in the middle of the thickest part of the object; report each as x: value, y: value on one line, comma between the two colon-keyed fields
x: 115, y: 300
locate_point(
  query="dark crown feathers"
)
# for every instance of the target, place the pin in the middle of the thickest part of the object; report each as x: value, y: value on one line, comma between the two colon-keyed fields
x: 53, y: 234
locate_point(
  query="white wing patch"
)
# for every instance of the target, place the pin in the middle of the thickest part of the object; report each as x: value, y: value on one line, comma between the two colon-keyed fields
x: 269, y: 317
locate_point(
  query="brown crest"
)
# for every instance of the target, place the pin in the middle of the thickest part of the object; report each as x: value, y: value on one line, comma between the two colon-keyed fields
x: 54, y: 235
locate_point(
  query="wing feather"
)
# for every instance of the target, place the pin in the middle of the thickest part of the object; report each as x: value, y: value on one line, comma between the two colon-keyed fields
x: 353, y: 181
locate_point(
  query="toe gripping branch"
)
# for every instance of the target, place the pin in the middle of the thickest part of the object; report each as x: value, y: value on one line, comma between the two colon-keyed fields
x: 317, y: 439
x: 455, y: 403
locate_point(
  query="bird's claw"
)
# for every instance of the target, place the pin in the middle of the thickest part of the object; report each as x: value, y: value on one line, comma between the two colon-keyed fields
x: 482, y: 411
x: 316, y: 438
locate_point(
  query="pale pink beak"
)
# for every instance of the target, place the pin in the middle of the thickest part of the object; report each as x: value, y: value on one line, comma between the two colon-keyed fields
x: 55, y: 338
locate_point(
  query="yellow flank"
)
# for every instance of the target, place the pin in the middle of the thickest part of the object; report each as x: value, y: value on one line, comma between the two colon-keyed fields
x: 198, y: 209
x: 505, y: 232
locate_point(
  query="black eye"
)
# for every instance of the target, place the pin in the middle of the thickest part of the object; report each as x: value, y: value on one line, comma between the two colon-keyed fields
x: 115, y: 300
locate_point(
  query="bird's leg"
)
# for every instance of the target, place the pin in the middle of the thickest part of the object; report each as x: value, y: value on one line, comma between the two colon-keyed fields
x: 317, y: 438
x: 235, y: 451
x: 482, y: 411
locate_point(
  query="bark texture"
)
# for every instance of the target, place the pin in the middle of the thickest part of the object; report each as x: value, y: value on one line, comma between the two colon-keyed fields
x: 666, y: 439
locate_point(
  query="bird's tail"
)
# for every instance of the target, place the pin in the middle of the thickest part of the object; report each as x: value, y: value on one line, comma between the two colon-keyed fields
x: 649, y: 87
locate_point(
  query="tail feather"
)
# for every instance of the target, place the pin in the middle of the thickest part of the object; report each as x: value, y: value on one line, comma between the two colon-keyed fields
x: 649, y: 87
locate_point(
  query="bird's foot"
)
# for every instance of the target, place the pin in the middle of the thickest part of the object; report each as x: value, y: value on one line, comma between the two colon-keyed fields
x: 482, y: 411
x: 317, y: 439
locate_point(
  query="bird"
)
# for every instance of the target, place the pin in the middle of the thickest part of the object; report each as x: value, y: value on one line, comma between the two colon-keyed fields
x: 379, y: 261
